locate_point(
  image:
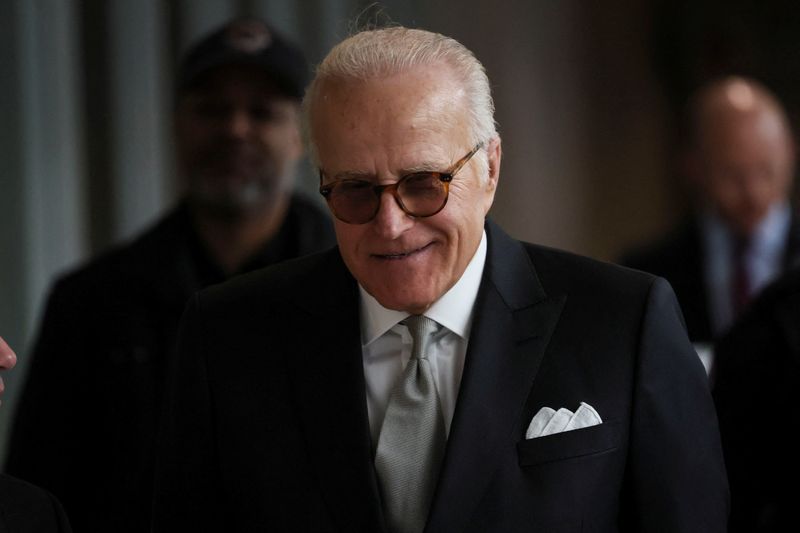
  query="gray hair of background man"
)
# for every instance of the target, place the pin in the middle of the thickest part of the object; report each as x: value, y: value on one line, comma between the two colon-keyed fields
x: 386, y: 51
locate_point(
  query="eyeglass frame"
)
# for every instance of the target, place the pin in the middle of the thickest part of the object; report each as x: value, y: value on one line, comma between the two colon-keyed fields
x: 444, y: 177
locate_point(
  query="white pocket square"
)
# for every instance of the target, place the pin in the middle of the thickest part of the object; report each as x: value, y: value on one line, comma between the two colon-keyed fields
x: 548, y: 421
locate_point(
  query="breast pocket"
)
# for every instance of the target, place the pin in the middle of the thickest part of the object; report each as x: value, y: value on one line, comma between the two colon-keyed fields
x: 573, y: 444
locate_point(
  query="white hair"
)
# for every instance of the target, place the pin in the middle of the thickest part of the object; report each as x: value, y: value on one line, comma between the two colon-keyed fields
x: 385, y: 51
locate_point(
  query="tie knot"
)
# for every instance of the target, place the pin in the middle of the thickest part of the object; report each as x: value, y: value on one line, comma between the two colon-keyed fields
x: 422, y: 330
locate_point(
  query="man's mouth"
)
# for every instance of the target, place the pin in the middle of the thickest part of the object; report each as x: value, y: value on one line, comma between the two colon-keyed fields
x: 402, y: 255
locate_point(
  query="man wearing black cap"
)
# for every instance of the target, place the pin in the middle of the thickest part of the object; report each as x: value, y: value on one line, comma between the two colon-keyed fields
x: 86, y: 424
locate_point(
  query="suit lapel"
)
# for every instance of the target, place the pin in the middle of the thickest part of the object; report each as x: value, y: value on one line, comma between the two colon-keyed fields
x: 513, y: 321
x: 328, y: 378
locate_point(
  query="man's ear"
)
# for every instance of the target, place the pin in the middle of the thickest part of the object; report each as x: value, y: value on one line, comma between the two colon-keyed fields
x: 494, y: 153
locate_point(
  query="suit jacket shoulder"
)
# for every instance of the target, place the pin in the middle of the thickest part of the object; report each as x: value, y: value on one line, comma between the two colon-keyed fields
x: 310, y: 282
x: 159, y: 259
x: 597, y: 278
x: 25, y: 508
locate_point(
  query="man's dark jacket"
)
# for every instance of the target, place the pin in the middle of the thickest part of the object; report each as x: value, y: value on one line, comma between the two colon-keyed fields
x: 25, y: 508
x: 86, y: 424
x: 757, y: 379
x: 680, y: 258
x: 266, y: 427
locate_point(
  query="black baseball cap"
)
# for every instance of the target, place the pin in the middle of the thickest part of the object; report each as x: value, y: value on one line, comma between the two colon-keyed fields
x: 247, y: 41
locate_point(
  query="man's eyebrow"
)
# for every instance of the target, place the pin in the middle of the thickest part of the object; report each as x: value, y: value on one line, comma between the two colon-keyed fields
x: 370, y: 176
x: 424, y: 167
x: 351, y: 175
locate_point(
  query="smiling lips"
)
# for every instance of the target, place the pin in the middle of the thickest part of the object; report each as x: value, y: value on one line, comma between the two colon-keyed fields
x: 402, y: 255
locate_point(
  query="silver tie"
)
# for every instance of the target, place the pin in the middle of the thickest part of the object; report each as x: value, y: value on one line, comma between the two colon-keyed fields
x: 412, y: 438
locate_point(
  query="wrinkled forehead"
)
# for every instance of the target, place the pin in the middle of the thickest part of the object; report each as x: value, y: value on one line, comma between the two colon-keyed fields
x: 407, y: 106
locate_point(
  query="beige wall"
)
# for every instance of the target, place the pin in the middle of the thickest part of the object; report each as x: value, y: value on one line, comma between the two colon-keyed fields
x: 582, y: 118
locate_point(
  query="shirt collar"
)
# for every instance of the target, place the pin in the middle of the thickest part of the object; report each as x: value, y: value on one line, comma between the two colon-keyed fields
x: 768, y: 237
x: 453, y: 310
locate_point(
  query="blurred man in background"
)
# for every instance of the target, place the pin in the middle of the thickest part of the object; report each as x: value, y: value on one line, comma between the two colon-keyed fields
x: 740, y: 161
x: 87, y: 419
x: 25, y: 508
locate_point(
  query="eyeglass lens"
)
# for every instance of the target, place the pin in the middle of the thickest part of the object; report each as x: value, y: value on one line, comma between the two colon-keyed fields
x: 420, y: 194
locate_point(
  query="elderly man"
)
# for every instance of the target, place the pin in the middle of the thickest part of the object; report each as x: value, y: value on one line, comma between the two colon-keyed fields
x: 25, y: 508
x: 432, y: 373
x: 743, y: 233
x: 86, y: 426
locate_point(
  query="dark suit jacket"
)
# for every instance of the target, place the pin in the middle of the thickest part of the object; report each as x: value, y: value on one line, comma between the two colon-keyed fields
x: 267, y: 425
x: 680, y: 257
x: 85, y: 428
x: 25, y: 508
x: 758, y: 375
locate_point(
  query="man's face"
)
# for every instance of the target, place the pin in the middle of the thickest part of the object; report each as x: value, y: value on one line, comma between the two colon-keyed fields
x: 7, y: 361
x: 746, y: 166
x: 380, y: 130
x: 237, y: 140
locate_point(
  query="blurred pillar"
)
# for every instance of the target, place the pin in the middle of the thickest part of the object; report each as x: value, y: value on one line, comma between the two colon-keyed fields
x: 139, y: 108
x: 42, y: 183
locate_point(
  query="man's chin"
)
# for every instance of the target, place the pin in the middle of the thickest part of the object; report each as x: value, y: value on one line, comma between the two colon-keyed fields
x: 415, y: 304
x: 232, y: 202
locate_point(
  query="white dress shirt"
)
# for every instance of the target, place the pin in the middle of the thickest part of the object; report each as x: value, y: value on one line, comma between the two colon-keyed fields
x: 763, y: 260
x: 386, y: 344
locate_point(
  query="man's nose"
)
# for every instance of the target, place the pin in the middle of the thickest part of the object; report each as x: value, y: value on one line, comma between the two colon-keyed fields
x: 7, y: 356
x: 391, y: 221
x: 238, y: 124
